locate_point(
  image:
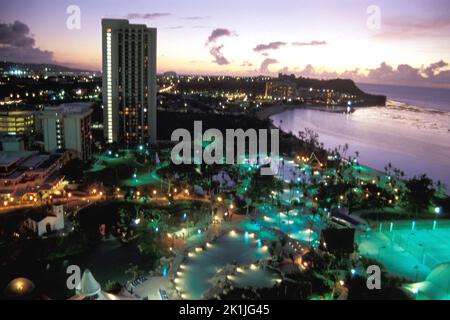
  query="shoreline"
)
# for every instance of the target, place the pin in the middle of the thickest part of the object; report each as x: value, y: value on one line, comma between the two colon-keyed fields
x: 269, y: 111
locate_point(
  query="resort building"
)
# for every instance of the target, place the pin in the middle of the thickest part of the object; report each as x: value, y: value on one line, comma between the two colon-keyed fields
x: 129, y: 82
x: 27, y: 175
x: 68, y: 127
x: 282, y: 90
x: 16, y: 123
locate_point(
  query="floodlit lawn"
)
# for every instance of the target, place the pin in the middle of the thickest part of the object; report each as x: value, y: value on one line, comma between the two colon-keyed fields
x: 412, y: 254
x: 147, y: 179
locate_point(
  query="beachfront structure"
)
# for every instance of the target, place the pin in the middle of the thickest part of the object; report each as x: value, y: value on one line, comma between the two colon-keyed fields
x: 129, y: 82
x: 68, y: 126
x: 284, y: 89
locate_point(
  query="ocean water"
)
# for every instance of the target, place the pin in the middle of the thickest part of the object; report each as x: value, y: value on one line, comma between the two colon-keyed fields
x: 415, y: 139
x: 428, y: 98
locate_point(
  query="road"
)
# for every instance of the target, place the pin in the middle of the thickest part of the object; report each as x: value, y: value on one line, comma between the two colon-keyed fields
x: 69, y: 203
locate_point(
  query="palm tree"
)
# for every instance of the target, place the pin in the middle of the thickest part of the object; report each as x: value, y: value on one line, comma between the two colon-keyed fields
x: 419, y: 192
x: 262, y: 187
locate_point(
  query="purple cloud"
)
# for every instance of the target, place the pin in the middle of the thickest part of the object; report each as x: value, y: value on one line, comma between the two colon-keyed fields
x: 271, y: 46
x: 195, y: 18
x: 311, y: 43
x: 264, y: 68
x: 216, y: 51
x: 219, y: 58
x: 17, y: 45
x: 147, y: 16
x: 219, y: 33
x: 434, y: 75
x: 435, y: 68
x: 16, y: 34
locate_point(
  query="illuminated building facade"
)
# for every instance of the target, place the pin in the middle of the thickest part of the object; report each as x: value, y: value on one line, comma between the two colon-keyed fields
x: 68, y: 126
x: 16, y: 123
x: 129, y: 82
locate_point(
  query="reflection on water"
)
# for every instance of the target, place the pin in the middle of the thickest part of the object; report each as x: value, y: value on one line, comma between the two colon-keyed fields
x: 415, y: 140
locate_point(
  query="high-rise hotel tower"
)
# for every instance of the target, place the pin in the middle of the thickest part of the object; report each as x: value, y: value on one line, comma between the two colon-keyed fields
x: 129, y: 82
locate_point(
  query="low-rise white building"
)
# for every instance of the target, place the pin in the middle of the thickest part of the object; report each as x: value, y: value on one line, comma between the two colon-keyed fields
x: 49, y: 223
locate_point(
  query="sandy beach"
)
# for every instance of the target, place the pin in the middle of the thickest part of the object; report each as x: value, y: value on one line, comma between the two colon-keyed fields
x: 268, y: 111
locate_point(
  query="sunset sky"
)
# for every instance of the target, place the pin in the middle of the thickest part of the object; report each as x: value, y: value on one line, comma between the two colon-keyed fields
x: 247, y: 37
